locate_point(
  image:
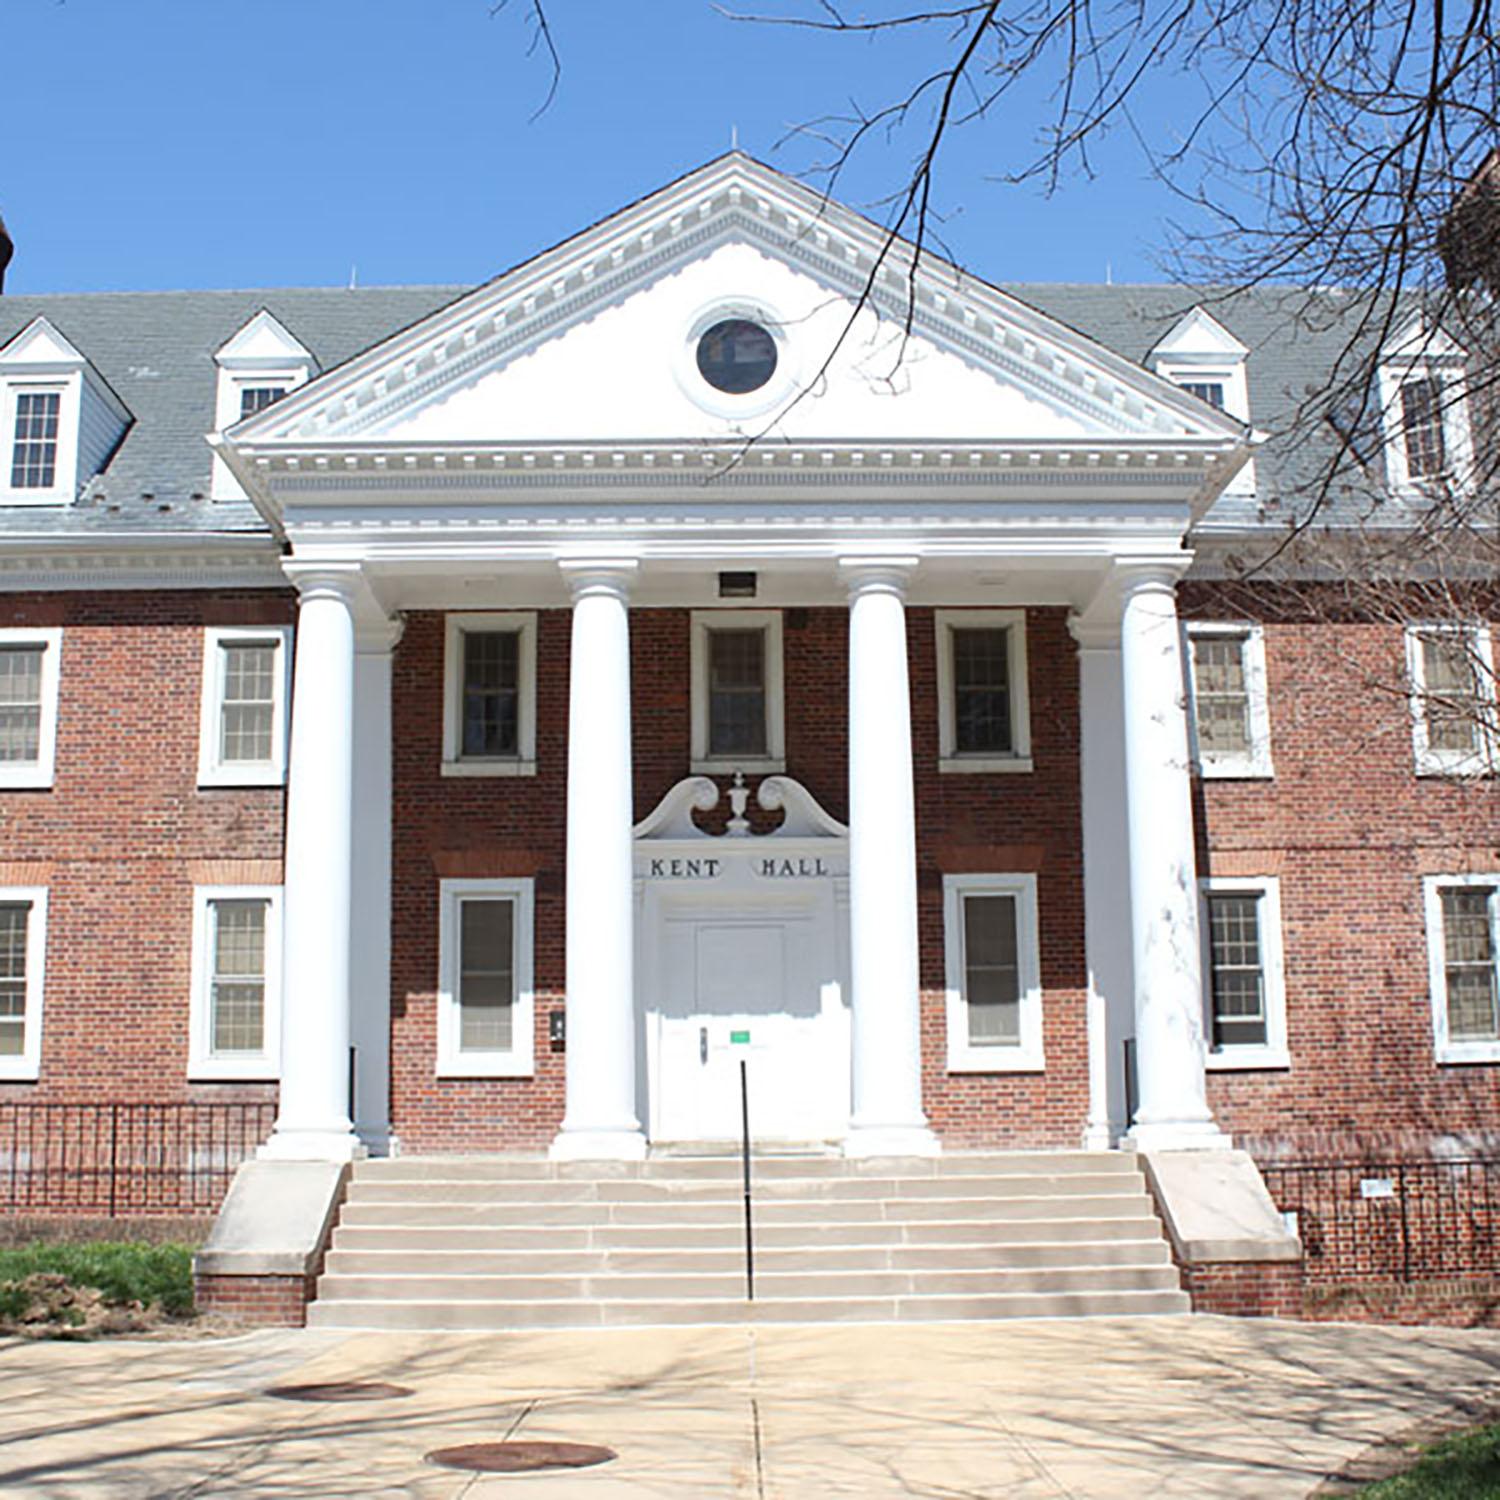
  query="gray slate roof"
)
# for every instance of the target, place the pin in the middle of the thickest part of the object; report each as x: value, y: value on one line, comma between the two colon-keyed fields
x: 156, y: 349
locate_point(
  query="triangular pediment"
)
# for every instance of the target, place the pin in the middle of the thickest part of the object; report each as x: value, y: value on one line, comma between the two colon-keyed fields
x: 40, y: 346
x: 263, y: 342
x: 595, y: 342
x: 1198, y: 335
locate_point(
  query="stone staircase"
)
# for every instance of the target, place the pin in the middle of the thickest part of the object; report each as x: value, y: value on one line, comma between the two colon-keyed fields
x: 500, y: 1242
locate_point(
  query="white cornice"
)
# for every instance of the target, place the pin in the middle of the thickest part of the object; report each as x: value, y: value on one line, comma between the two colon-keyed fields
x: 41, y: 564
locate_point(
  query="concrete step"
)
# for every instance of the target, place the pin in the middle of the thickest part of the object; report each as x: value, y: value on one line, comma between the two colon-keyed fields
x: 434, y: 1314
x: 727, y: 1165
x: 517, y: 1195
x: 691, y: 1215
x: 719, y: 1286
x: 1128, y: 1221
x: 689, y: 1259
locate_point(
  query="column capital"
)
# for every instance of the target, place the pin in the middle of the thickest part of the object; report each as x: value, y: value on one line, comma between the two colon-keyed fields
x: 1156, y: 572
x: 319, y: 580
x: 876, y: 575
x: 612, y: 577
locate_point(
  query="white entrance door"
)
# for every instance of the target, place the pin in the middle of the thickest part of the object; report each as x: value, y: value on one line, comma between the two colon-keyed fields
x: 758, y: 985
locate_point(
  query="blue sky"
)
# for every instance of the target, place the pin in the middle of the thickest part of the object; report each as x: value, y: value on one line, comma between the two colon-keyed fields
x: 194, y: 143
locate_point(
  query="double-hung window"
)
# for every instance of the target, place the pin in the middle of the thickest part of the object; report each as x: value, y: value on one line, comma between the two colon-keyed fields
x: 30, y: 668
x: 485, y: 994
x: 489, y: 692
x: 994, y: 992
x: 983, y: 716
x: 235, y: 1012
x: 1230, y: 710
x: 243, y: 722
x: 33, y: 463
x: 1463, y: 950
x: 1451, y: 673
x: 737, y: 708
x: 1422, y: 428
x: 1244, y: 986
x: 23, y: 953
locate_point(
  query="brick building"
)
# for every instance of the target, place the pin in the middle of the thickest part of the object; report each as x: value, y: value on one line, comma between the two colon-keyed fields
x: 532, y: 700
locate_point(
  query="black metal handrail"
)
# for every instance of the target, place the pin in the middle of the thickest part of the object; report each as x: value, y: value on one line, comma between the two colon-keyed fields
x: 1401, y: 1219
x: 124, y: 1159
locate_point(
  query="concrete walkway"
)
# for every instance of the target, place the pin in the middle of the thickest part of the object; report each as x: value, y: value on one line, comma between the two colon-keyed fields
x: 1147, y: 1407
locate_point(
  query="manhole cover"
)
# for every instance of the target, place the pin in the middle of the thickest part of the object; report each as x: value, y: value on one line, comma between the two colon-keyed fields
x: 339, y: 1390
x: 518, y: 1458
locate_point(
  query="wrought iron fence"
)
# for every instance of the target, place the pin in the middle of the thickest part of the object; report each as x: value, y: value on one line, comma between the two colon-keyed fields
x: 119, y: 1159
x: 1399, y: 1220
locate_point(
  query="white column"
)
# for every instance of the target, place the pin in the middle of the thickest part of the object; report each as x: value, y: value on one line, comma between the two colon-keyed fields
x: 312, y: 1119
x: 1106, y: 875
x: 600, y: 1122
x: 370, y: 915
x: 887, y: 1118
x: 1173, y: 1110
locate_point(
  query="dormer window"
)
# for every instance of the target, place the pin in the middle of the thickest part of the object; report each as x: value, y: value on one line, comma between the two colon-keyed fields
x: 1422, y: 428
x: 260, y: 365
x: 256, y: 398
x: 34, y: 460
x: 59, y: 419
x: 1211, y: 391
x: 1202, y: 357
x: 1424, y: 406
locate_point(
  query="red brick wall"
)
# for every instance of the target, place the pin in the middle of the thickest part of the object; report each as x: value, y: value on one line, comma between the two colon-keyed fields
x: 266, y: 1301
x: 1246, y: 1289
x: 516, y: 826
x: 121, y: 833
x: 1350, y: 829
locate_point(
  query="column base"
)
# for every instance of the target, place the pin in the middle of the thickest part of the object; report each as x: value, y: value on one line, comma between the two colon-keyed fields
x: 1098, y: 1136
x: 598, y: 1145
x: 313, y: 1145
x: 1177, y: 1135
x: 891, y: 1140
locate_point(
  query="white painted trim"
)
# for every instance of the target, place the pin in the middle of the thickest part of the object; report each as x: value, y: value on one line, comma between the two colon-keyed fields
x: 455, y: 763
x: 1414, y: 354
x: 69, y: 390
x: 769, y: 620
x: 211, y: 770
x: 1445, y: 1050
x: 1014, y: 622
x: 203, y: 1062
x: 28, y: 1066
x: 1429, y: 762
x: 1274, y: 1053
x: 519, y: 1060
x: 785, y: 378
x: 1221, y: 765
x: 964, y: 1056
x: 15, y: 776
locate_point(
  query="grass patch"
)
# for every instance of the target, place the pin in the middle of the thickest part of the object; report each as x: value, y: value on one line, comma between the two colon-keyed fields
x: 153, y: 1275
x: 1465, y: 1466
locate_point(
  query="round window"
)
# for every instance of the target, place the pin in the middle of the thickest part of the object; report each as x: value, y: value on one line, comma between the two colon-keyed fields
x: 736, y: 356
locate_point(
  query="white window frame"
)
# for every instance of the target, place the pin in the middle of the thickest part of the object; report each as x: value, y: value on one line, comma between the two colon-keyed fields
x: 69, y: 391
x: 1446, y: 1050
x: 1224, y: 765
x: 963, y: 1056
x: 1013, y: 621
x: 203, y: 1062
x: 18, y: 775
x: 1274, y: 1052
x: 1438, y: 762
x: 773, y: 762
x: 212, y: 771
x: 455, y: 763
x: 27, y: 1067
x: 519, y: 1061
x: 1417, y: 354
